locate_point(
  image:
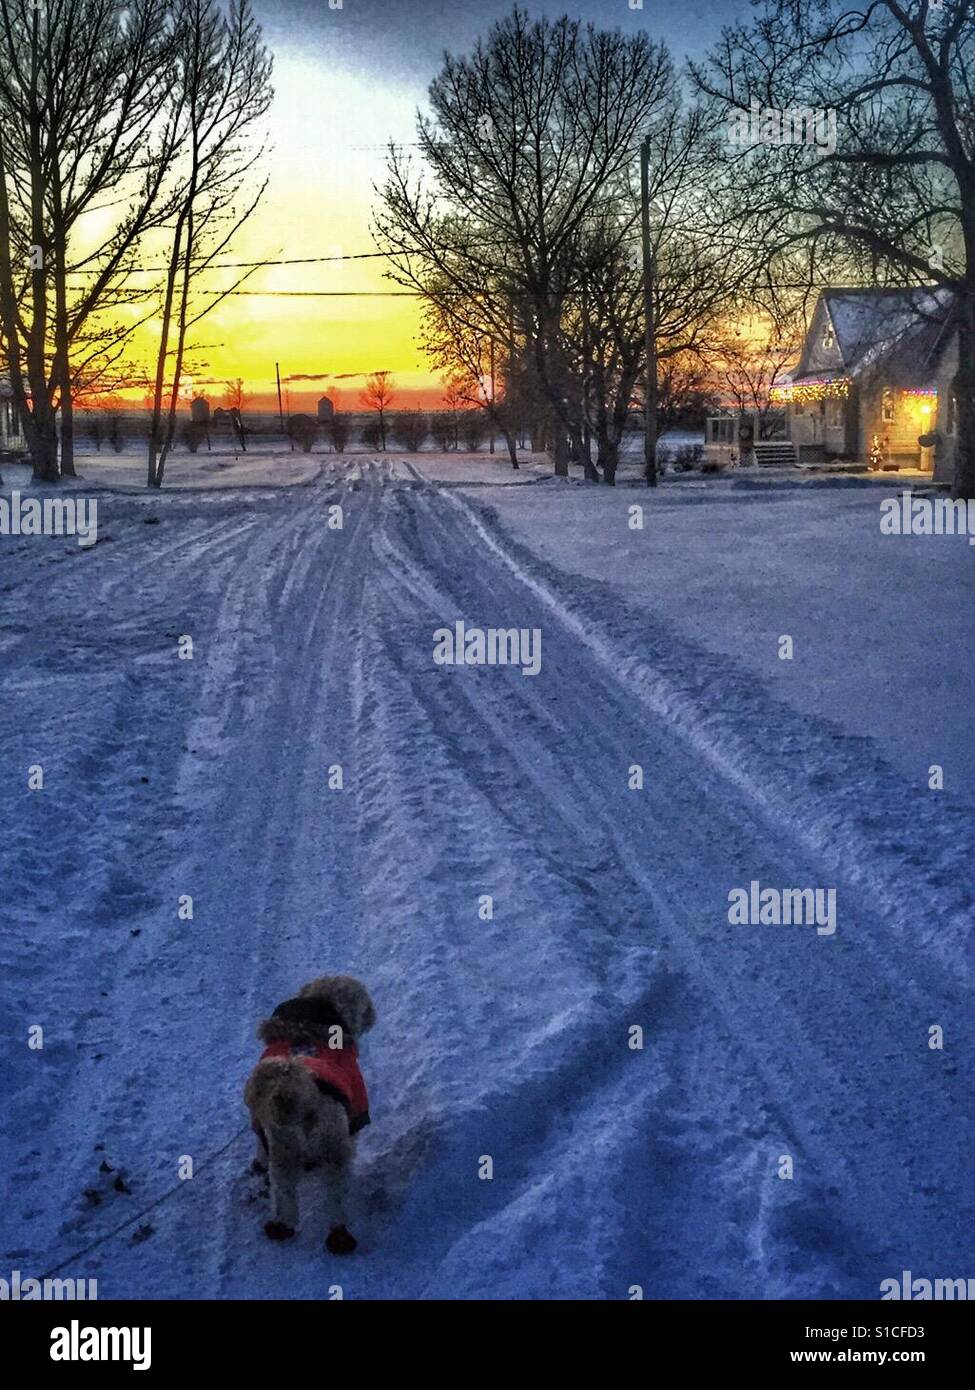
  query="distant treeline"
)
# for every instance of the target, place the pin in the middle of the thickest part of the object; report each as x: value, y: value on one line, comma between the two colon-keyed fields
x: 467, y: 430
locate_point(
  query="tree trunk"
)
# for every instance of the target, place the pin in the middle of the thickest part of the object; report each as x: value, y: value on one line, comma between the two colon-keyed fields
x: 154, y: 473
x: 44, y: 444
x: 499, y: 422
x: 552, y: 377
x: 44, y: 454
x: 649, y: 327
x: 561, y: 453
x: 964, y: 481
x: 590, y: 472
x: 584, y: 449
x: 62, y: 358
x: 9, y: 318
x: 609, y: 459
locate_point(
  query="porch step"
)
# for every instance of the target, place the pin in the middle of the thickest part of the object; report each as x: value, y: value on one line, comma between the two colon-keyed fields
x: 775, y: 453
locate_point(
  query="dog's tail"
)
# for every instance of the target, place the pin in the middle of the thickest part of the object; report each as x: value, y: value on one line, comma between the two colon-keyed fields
x: 276, y: 1090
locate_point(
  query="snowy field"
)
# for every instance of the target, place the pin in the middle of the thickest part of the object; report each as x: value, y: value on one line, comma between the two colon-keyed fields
x: 613, y: 1166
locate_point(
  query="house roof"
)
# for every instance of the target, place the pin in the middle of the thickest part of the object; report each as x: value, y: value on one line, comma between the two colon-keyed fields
x: 900, y: 332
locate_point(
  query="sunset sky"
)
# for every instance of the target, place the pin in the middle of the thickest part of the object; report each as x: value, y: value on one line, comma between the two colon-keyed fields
x: 346, y: 81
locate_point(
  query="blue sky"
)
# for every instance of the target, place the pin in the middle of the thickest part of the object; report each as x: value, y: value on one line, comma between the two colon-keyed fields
x: 405, y: 38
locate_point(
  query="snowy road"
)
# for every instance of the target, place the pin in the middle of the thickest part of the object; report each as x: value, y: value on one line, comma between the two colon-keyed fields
x: 612, y: 1166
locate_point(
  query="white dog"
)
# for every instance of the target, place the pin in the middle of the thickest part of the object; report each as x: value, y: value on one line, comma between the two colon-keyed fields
x: 308, y: 1100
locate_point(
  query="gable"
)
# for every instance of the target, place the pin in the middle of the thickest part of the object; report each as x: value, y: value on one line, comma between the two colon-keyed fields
x: 870, y: 333
x: 822, y: 353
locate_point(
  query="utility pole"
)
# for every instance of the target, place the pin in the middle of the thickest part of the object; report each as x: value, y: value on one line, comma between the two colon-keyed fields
x: 277, y: 373
x: 650, y: 345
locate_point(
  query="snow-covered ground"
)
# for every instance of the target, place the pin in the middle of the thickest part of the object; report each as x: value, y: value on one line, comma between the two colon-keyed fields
x: 613, y: 1165
x: 221, y: 469
x: 883, y: 626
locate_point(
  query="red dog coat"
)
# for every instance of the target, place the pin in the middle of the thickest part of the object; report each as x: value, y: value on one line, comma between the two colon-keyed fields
x: 336, y: 1072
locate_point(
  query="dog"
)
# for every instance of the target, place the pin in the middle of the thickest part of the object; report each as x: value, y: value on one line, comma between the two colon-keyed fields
x: 308, y: 1101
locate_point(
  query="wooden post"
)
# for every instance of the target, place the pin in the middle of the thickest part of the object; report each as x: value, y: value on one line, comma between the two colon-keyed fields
x: 277, y: 372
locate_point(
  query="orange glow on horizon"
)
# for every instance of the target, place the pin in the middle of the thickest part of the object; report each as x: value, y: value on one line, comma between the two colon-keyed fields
x: 328, y: 142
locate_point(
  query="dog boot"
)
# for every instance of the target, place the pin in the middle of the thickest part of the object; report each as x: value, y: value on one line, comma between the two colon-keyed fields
x: 340, y: 1241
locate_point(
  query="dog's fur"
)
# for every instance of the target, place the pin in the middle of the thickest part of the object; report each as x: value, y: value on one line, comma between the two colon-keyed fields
x: 302, y: 1127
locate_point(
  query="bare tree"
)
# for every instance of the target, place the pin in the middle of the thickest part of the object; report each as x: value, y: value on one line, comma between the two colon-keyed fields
x: 750, y: 353
x: 82, y: 87
x: 474, y: 362
x: 378, y: 395
x: 234, y: 396
x: 410, y: 428
x: 885, y: 191
x: 95, y: 431
x: 370, y: 433
x: 525, y: 233
x: 454, y: 396
x: 442, y: 430
x: 473, y: 427
x: 528, y: 135
x: 339, y: 430
x: 221, y: 91
x: 693, y: 282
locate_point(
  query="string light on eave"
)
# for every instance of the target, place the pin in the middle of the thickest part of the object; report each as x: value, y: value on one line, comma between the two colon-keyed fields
x: 835, y: 389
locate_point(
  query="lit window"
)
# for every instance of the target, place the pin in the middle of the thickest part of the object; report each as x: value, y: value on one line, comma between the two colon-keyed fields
x: 829, y: 337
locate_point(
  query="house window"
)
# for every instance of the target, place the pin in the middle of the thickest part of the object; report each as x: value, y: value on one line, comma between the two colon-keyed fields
x: 887, y: 407
x: 829, y: 337
x: 834, y: 414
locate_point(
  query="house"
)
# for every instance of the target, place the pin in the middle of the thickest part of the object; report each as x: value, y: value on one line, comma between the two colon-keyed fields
x: 12, y: 439
x: 875, y: 377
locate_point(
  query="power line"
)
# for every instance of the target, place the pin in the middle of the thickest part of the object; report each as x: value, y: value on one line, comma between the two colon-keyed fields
x: 294, y: 260
x: 320, y: 294
x: 251, y: 265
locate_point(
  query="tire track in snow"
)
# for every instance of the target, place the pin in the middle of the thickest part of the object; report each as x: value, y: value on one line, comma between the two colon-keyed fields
x: 468, y: 768
x: 647, y: 1169
x: 243, y: 596
x: 796, y: 1023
